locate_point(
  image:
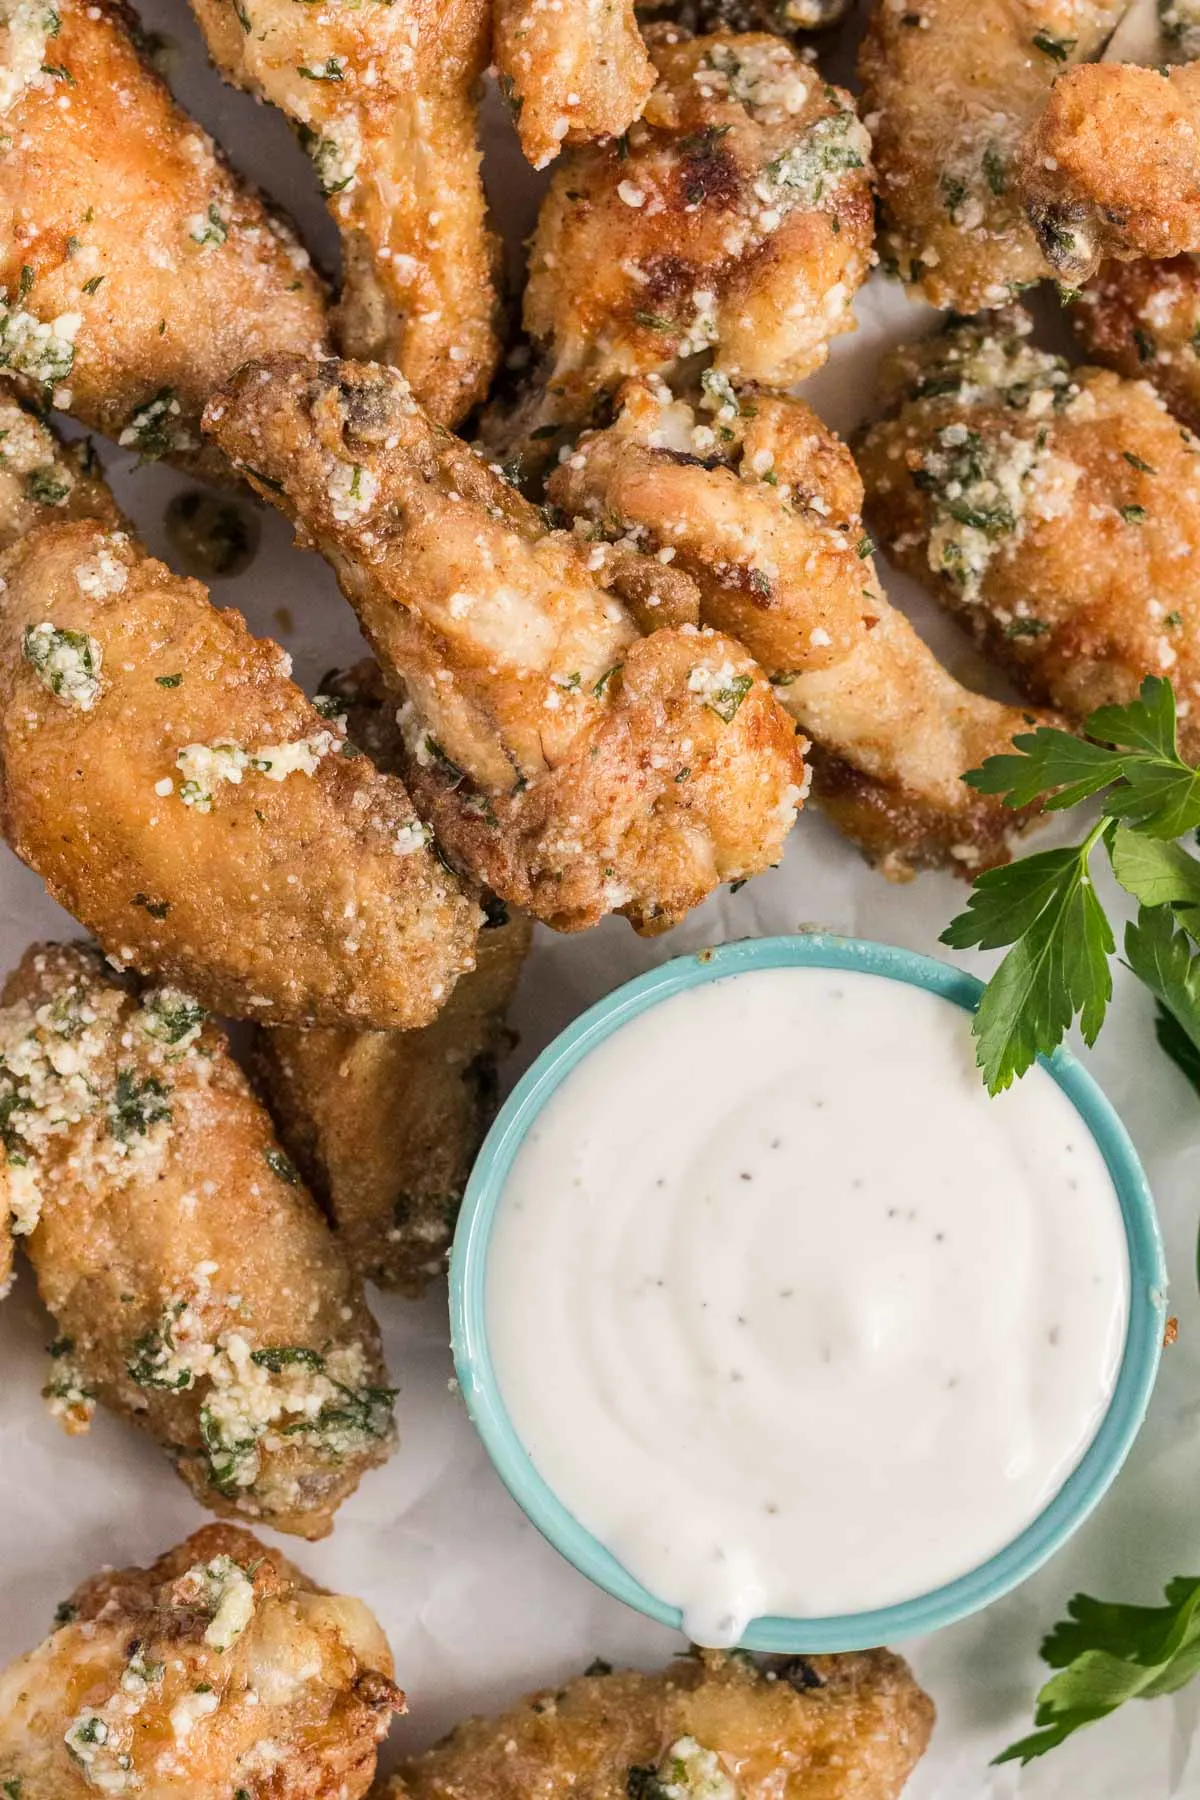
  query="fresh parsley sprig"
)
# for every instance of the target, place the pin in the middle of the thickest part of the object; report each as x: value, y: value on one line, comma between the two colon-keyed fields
x: 1045, y: 908
x: 1105, y: 1654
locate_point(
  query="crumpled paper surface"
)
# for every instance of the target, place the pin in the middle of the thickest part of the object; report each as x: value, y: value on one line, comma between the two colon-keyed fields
x: 476, y: 1605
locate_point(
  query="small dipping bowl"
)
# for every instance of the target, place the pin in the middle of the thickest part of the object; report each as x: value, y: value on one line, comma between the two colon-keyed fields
x: 1001, y: 1572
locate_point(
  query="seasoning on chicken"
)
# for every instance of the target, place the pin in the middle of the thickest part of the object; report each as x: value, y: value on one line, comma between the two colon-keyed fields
x: 1054, y: 511
x: 572, y: 767
x: 195, y: 1287
x: 754, y: 499
x: 137, y: 270
x: 220, y: 1671
x: 733, y: 222
x: 187, y: 803
x: 950, y: 88
x: 384, y: 99
x: 712, y: 1727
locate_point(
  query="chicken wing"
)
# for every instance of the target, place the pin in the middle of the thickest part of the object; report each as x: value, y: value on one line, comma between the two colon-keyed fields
x: 384, y: 100
x: 190, y: 806
x: 761, y: 505
x: 137, y: 270
x: 196, y: 1289
x: 572, y: 767
x: 950, y: 87
x: 571, y: 71
x: 219, y: 1671
x: 1111, y: 168
x: 1143, y: 320
x: 712, y: 1726
x: 1054, y: 511
x: 734, y: 222
x: 385, y: 1125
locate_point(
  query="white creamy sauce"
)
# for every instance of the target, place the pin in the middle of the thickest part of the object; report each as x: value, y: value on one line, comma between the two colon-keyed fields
x: 791, y: 1316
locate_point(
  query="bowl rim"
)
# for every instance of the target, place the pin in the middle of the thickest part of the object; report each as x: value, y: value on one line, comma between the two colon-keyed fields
x: 967, y: 1593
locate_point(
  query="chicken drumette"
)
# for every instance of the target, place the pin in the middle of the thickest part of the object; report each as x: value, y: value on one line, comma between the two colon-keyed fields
x: 574, y: 767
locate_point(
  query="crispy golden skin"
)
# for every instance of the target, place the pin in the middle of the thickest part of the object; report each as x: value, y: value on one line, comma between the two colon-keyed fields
x: 950, y: 88
x: 138, y: 270
x: 571, y: 72
x: 219, y: 1670
x: 307, y: 895
x: 796, y: 1728
x: 385, y: 1125
x: 1055, y: 512
x: 384, y: 99
x: 43, y: 479
x: 735, y: 221
x: 761, y: 505
x: 1111, y: 168
x: 572, y: 767
x: 1143, y: 320
x: 196, y: 1289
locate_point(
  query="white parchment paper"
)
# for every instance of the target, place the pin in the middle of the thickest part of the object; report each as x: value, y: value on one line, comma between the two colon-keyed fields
x: 477, y: 1607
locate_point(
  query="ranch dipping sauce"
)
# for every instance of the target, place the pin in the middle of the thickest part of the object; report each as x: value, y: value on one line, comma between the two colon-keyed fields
x: 788, y: 1313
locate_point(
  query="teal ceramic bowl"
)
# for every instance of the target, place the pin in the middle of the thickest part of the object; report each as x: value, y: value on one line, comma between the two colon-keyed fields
x: 854, y: 1631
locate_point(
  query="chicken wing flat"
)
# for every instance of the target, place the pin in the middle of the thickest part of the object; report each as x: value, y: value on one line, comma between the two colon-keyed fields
x: 196, y: 1288
x: 573, y: 767
x: 950, y: 88
x: 137, y: 270
x: 220, y: 1670
x: 1054, y: 511
x: 711, y: 1727
x: 571, y: 71
x: 384, y: 100
x: 186, y: 802
x: 1111, y: 168
x: 1143, y: 320
x: 761, y: 505
x: 733, y: 222
x: 385, y: 1125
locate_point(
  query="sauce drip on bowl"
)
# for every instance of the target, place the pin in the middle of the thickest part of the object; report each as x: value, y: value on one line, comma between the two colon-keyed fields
x: 790, y: 1315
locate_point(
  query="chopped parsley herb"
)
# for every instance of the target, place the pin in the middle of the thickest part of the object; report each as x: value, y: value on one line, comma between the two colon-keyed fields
x: 995, y: 170
x: 168, y: 681
x: 171, y: 1016
x: 65, y: 1613
x: 278, y: 1357
x: 864, y: 548
x: 1135, y: 462
x: 47, y: 486
x: 136, y: 1106
x: 24, y: 283
x: 652, y: 321
x: 1144, y: 344
x: 58, y: 72
x: 954, y: 193
x: 1059, y: 49
x: 279, y: 1165
x: 209, y: 229
x: 600, y: 688
x: 1133, y: 515
x: 726, y: 701
x: 158, y: 909
x: 1026, y: 628
x: 90, y: 287
x: 333, y: 69
x: 66, y: 662
x: 1173, y: 618
x: 151, y: 427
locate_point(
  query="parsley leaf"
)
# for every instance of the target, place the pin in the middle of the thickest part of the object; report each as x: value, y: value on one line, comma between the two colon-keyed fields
x: 1046, y: 907
x: 1105, y: 1654
x: 1158, y: 873
x: 1163, y: 960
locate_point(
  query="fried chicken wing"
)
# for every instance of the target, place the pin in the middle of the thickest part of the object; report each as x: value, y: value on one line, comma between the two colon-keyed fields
x: 385, y: 1125
x: 573, y: 767
x: 776, y: 1728
x: 1143, y: 320
x: 761, y: 505
x: 190, y: 806
x: 1111, y: 168
x: 735, y: 221
x: 220, y: 1670
x: 384, y: 100
x: 950, y: 88
x: 137, y: 270
x: 196, y: 1289
x: 571, y: 71
x: 1055, y: 512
